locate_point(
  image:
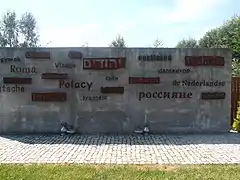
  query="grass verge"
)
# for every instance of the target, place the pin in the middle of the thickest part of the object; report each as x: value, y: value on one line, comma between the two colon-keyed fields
x: 113, y: 172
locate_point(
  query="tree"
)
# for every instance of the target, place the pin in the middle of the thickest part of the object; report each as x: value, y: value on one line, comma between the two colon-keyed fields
x: 157, y: 43
x: 118, y: 42
x: 226, y: 36
x: 235, y: 67
x: 187, y: 43
x: 212, y: 39
x: 18, y: 33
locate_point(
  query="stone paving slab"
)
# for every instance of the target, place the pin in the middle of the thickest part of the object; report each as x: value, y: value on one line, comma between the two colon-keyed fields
x: 128, y: 149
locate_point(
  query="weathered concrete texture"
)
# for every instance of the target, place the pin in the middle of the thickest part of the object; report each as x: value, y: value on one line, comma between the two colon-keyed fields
x: 119, y: 113
x: 172, y: 149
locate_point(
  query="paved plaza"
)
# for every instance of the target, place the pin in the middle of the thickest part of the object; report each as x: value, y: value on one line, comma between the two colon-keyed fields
x: 128, y: 149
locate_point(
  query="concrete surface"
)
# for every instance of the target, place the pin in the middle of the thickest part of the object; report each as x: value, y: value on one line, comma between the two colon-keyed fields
x: 116, y: 113
x: 152, y: 149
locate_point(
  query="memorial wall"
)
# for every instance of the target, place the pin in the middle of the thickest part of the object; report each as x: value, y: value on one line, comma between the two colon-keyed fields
x: 114, y: 90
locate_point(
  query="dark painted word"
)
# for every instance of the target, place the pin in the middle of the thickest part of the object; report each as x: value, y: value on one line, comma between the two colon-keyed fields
x: 37, y: 55
x: 213, y: 95
x: 94, y: 98
x: 16, y: 88
x: 111, y: 78
x: 75, y: 85
x: 27, y: 70
x: 104, y: 63
x: 65, y: 65
x: 143, y: 80
x: 164, y: 95
x: 155, y: 57
x: 112, y: 90
x: 54, y: 76
x: 174, y: 71
x: 6, y: 59
x: 17, y: 80
x: 204, y: 61
x: 198, y: 83
x: 75, y: 55
x: 49, y: 96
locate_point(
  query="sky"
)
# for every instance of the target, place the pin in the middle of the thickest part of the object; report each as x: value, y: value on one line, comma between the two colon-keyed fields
x: 74, y: 23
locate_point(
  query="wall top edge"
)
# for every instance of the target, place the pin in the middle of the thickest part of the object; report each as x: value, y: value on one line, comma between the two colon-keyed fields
x: 12, y: 48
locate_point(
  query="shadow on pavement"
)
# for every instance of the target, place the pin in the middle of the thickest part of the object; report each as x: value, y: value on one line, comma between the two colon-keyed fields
x: 187, y: 139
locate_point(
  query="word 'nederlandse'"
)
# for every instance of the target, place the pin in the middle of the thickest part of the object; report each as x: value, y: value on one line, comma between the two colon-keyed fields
x: 16, y: 88
x: 75, y: 85
x: 7, y: 59
x: 198, y: 83
x: 174, y: 71
x: 94, y: 98
x: 164, y: 95
x: 27, y: 70
x: 65, y: 65
x: 155, y: 57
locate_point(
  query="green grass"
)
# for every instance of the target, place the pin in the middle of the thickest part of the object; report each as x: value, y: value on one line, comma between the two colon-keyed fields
x: 128, y: 172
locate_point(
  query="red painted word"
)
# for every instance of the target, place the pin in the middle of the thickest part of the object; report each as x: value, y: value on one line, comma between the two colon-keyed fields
x: 204, y: 61
x: 49, y: 96
x: 37, y: 55
x: 144, y: 80
x: 75, y: 55
x: 213, y: 95
x: 103, y: 63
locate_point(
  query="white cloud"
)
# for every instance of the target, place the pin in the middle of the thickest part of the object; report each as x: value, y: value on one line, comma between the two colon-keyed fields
x: 69, y: 36
x: 184, y: 11
x: 189, y: 10
x: 122, y: 28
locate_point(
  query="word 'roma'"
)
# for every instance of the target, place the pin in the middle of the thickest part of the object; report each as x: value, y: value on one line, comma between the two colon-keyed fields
x: 164, y: 95
x: 27, y: 70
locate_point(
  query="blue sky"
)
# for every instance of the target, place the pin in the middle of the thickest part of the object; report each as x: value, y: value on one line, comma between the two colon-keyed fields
x: 140, y: 22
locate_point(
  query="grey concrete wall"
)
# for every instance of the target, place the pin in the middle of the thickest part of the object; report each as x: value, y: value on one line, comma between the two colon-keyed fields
x: 117, y: 113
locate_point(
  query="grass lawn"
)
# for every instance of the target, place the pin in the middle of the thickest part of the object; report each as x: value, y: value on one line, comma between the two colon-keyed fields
x: 129, y: 172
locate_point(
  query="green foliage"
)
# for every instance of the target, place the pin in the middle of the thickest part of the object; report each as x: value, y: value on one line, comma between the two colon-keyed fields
x: 235, y: 67
x: 118, y: 42
x: 236, y: 121
x: 212, y: 39
x: 18, y: 33
x: 187, y: 43
x: 225, y: 36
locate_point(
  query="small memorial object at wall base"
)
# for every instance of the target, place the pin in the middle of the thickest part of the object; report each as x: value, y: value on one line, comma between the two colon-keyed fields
x: 204, y: 61
x: 75, y: 55
x: 112, y: 90
x: 49, y: 96
x: 37, y: 55
x: 144, y: 80
x: 54, y: 76
x: 17, y: 80
x: 213, y: 95
x: 111, y: 63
